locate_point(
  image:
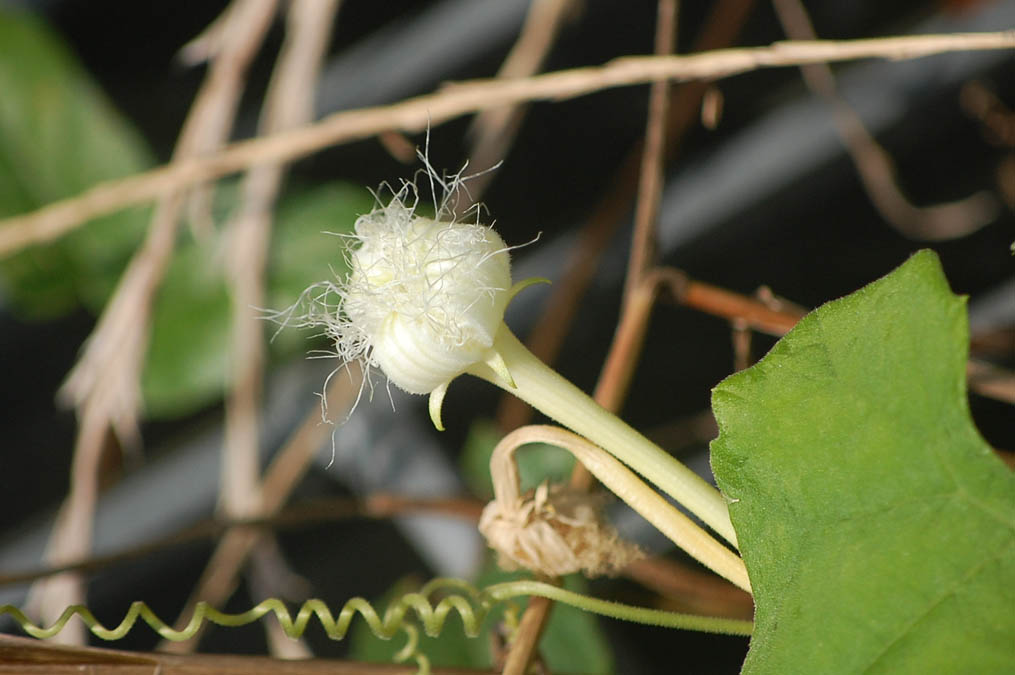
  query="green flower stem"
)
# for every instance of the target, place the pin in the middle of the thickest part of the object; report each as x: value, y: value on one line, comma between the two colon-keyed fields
x: 516, y: 370
x: 616, y: 610
x: 620, y: 480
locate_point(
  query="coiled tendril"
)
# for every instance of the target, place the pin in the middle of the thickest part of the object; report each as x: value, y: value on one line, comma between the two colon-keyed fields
x: 471, y: 604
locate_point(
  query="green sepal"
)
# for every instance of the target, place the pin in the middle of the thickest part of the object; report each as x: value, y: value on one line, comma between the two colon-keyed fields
x: 525, y: 283
x: 497, y: 364
x: 436, y: 401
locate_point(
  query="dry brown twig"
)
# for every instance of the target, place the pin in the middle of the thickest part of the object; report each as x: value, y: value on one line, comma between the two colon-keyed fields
x: 777, y: 319
x: 998, y: 119
x: 998, y: 125
x: 650, y: 189
x: 379, y: 506
x: 216, y: 44
x: 280, y: 479
x: 247, y: 235
x: 640, y: 284
x: 684, y: 589
x: 612, y: 387
x: 413, y: 116
x: 104, y: 386
x: 720, y: 29
x: 289, y: 103
x: 28, y: 656
x: 741, y: 337
x: 877, y: 171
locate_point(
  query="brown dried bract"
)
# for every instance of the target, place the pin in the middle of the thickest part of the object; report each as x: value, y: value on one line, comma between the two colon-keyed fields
x: 555, y: 530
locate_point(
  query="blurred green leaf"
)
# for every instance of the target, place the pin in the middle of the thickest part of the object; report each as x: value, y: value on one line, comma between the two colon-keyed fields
x: 307, y: 247
x: 188, y: 359
x: 536, y: 461
x: 877, y: 525
x: 450, y: 649
x: 58, y: 136
x: 572, y: 642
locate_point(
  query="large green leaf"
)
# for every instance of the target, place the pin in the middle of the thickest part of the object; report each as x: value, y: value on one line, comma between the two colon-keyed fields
x: 59, y: 136
x: 877, y: 526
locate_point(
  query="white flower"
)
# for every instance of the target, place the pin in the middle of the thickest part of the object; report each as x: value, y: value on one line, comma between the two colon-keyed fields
x: 424, y: 301
x: 424, y: 298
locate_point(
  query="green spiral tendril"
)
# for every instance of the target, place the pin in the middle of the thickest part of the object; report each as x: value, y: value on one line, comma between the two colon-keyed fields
x: 411, y: 650
x: 471, y: 604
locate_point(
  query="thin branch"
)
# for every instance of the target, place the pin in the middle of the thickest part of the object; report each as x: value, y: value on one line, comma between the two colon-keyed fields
x: 720, y: 29
x: 288, y: 104
x: 280, y: 479
x: 71, y: 537
x: 650, y: 189
x: 874, y: 165
x: 740, y: 336
x: 612, y: 386
x: 982, y: 378
x: 990, y: 381
x: 230, y: 43
x: 711, y: 108
x: 105, y: 384
x: 28, y: 655
x: 378, y: 506
x: 530, y: 629
x: 640, y: 290
x: 625, y: 349
x: 997, y: 119
x: 413, y: 116
x: 730, y: 305
x: 686, y: 589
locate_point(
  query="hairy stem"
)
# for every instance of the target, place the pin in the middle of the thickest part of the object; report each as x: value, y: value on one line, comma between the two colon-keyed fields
x: 654, y: 617
x: 620, y: 480
x: 546, y: 390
